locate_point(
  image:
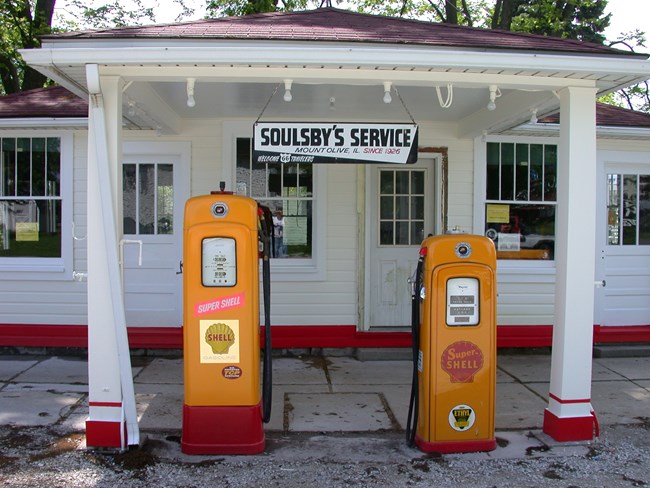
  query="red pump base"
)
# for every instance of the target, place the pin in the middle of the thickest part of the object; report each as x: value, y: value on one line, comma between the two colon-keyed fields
x: 449, y: 447
x: 222, y: 430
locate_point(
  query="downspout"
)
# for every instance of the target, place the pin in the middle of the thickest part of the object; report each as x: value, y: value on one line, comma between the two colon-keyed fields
x: 96, y: 102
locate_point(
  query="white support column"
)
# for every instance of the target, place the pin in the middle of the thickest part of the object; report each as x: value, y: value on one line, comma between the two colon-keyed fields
x: 569, y: 415
x: 112, y: 418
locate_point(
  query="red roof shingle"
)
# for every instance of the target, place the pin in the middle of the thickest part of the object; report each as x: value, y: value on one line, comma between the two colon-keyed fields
x: 331, y: 24
x: 611, y: 116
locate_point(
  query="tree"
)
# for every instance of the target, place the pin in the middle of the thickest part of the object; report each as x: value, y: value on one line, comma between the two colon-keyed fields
x: 219, y: 8
x: 21, y: 22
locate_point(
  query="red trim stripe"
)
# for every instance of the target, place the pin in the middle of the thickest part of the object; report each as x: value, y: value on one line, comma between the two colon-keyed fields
x: 569, y: 402
x: 302, y: 336
x: 105, y: 404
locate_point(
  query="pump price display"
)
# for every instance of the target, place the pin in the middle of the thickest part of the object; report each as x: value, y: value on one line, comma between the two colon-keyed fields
x: 219, y: 263
x: 462, y: 302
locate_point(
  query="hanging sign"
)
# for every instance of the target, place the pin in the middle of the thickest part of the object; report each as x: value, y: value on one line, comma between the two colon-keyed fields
x: 314, y: 142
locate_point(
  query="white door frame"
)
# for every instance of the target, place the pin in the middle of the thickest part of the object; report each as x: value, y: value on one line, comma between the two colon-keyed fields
x: 437, y: 204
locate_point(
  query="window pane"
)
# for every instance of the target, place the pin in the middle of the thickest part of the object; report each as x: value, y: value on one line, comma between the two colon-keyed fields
x: 165, y: 195
x: 644, y: 209
x: 53, y: 166
x: 259, y: 181
x: 417, y: 208
x: 23, y: 148
x: 493, y: 173
x: 243, y: 160
x: 146, y: 200
x: 386, y: 233
x: 522, y: 165
x: 401, y: 233
x: 8, y: 161
x: 417, y: 233
x: 30, y: 228
x: 287, y: 190
x: 386, y: 210
x: 38, y: 166
x: 550, y: 172
x: 629, y: 209
x: 402, y: 182
x: 536, y: 171
x: 402, y: 207
x: 290, y: 180
x: 386, y: 185
x: 507, y: 171
x: 305, y: 180
x: 613, y: 209
x: 417, y: 182
x: 129, y: 198
x: 528, y: 234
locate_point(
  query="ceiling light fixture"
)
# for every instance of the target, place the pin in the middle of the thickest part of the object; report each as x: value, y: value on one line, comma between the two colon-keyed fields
x: 190, y: 92
x: 533, y: 116
x: 494, y: 94
x: 332, y: 102
x: 387, y: 97
x: 287, y: 90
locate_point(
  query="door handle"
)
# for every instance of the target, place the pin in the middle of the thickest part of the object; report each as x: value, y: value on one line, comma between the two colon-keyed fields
x: 180, y: 268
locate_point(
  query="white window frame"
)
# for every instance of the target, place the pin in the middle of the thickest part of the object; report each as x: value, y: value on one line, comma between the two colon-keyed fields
x: 28, y: 268
x: 514, y: 266
x: 285, y: 269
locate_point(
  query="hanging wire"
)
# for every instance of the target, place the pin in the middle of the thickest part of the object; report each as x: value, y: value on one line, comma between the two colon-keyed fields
x: 267, y: 103
x: 403, y: 104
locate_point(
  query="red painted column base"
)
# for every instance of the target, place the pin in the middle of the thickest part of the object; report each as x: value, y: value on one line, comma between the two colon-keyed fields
x: 565, y: 429
x: 101, y: 433
x: 222, y: 430
x: 449, y: 447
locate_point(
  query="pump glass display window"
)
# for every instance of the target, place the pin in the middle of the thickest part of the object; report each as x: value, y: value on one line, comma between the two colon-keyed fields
x: 628, y: 209
x: 521, y: 199
x: 30, y: 197
x: 287, y: 190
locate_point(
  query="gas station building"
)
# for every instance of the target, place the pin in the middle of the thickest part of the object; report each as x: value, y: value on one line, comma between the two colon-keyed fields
x: 171, y: 112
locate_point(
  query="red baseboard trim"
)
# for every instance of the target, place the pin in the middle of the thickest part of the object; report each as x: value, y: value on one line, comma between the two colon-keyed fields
x: 566, y: 429
x: 301, y: 336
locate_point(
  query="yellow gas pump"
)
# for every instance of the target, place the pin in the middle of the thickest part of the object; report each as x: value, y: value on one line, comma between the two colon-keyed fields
x: 222, y: 410
x: 454, y: 346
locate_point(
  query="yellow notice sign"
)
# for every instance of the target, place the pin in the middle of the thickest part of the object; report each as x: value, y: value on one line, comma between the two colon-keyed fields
x: 497, y: 214
x: 27, y: 231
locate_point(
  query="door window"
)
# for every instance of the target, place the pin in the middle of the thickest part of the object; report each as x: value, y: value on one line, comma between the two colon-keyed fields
x: 401, y: 207
x: 148, y: 198
x: 628, y: 209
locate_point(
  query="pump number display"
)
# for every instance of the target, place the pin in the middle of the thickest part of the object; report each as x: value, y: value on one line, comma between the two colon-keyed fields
x: 462, y: 302
x: 219, y: 263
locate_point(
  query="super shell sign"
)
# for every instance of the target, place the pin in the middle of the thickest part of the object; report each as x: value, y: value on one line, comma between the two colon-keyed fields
x: 285, y: 142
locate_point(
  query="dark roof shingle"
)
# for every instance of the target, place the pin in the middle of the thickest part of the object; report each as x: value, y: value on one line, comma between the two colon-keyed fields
x: 54, y: 101
x: 331, y: 24
x: 610, y: 116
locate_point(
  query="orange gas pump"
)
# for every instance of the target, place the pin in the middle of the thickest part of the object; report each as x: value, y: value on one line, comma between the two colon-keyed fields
x: 454, y: 346
x: 223, y: 409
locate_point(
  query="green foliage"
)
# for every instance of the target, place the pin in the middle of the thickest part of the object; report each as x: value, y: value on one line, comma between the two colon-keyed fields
x: 100, y: 15
x: 221, y: 8
x: 573, y: 19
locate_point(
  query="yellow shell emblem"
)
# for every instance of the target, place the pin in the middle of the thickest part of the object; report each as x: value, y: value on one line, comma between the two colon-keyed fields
x: 219, y: 337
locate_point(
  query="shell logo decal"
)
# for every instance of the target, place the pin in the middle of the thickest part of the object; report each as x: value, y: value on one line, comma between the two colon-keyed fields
x: 220, y: 337
x: 218, y: 341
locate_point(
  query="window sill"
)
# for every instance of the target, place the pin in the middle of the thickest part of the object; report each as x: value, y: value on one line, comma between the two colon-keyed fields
x: 25, y: 271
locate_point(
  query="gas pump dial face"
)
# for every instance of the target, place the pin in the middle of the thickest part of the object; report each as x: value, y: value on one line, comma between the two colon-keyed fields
x: 462, y: 302
x: 219, y: 262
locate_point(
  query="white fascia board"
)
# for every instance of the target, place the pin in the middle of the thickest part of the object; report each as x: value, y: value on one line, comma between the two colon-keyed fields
x: 610, y: 132
x: 266, y: 53
x: 44, y: 123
